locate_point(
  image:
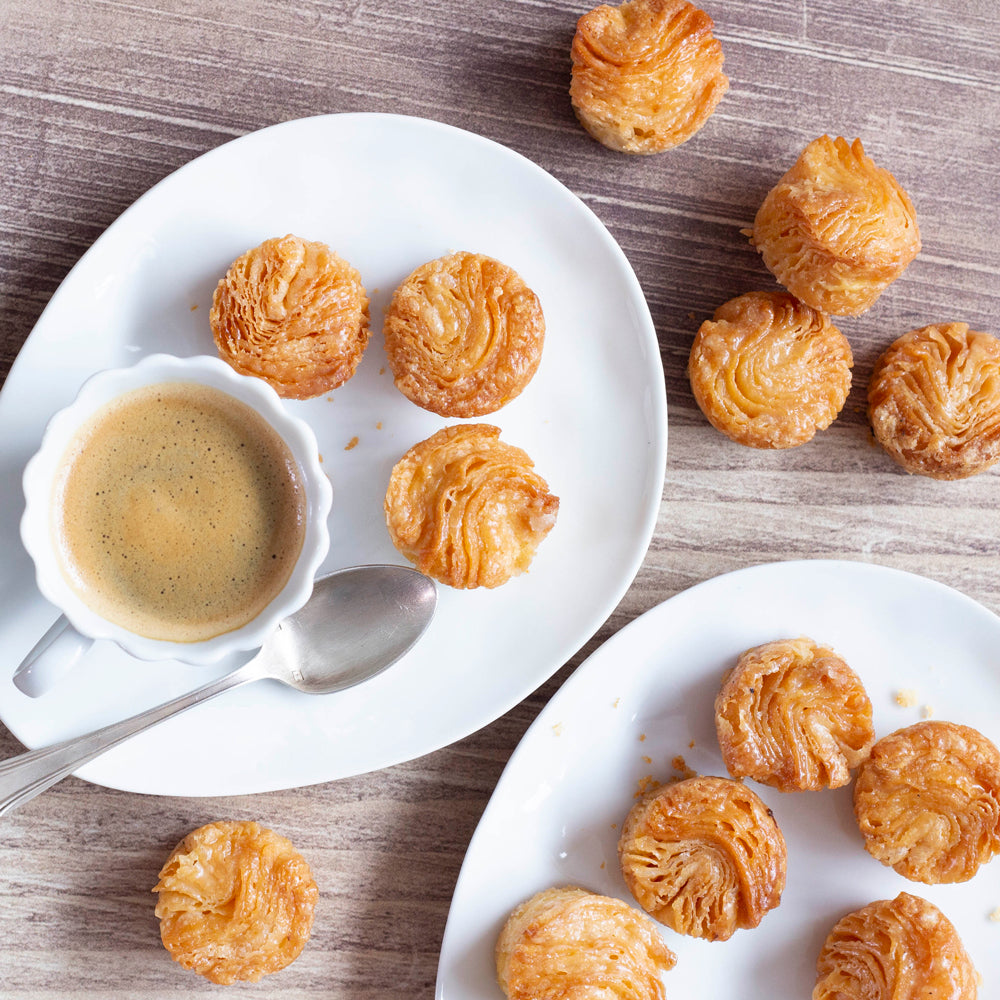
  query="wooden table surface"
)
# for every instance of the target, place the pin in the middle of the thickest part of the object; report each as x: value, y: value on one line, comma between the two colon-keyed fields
x: 100, y: 99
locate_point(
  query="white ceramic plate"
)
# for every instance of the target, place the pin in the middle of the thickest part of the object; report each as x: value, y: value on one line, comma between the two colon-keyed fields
x: 646, y: 696
x: 388, y: 193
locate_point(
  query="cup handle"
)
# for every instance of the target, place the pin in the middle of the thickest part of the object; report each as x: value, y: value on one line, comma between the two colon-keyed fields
x: 53, y: 656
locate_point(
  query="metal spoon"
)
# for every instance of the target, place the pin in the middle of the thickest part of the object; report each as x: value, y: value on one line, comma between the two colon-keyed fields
x: 357, y: 622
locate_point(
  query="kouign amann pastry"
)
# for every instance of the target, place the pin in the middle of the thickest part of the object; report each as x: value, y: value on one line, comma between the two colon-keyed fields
x: 703, y: 856
x: 927, y: 801
x: 571, y: 944
x: 293, y: 313
x: 463, y: 335
x: 467, y: 509
x: 235, y: 902
x: 934, y: 401
x: 899, y: 949
x: 769, y: 371
x: 646, y: 75
x: 836, y: 229
x: 793, y: 715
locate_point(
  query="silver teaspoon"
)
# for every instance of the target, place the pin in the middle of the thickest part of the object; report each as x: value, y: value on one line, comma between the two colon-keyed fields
x: 357, y: 622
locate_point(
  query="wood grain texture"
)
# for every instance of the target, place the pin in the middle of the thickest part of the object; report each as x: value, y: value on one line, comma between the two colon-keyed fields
x: 100, y: 99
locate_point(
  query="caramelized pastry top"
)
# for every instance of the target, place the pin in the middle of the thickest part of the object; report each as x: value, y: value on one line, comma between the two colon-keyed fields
x: 927, y: 801
x: 836, y: 229
x: 793, y: 715
x: 235, y: 902
x: 468, y: 509
x: 899, y: 949
x: 934, y: 401
x: 769, y: 371
x: 703, y: 856
x: 571, y: 944
x: 293, y: 313
x: 646, y: 75
x: 463, y: 335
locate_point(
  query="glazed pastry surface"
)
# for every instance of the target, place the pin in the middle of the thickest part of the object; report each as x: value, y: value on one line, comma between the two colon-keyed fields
x: 235, y: 902
x: 703, y: 856
x: 646, y: 75
x: 836, y: 230
x: 571, y: 944
x: 793, y: 715
x: 293, y: 313
x: 899, y: 949
x: 468, y: 509
x: 927, y: 801
x: 768, y: 371
x: 934, y: 401
x: 463, y: 335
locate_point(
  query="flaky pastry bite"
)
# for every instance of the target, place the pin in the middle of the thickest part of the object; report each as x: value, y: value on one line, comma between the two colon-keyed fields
x: 293, y: 313
x: 768, y: 371
x: 793, y: 715
x: 899, y: 949
x: 836, y: 230
x: 468, y: 509
x: 927, y: 801
x: 571, y: 944
x: 703, y: 856
x: 934, y: 401
x: 235, y: 902
x: 463, y: 335
x: 646, y: 75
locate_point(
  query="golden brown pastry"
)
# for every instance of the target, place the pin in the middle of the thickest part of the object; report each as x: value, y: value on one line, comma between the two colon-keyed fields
x: 769, y: 371
x: 836, y: 229
x: 927, y: 801
x: 899, y: 949
x: 793, y: 715
x: 293, y: 313
x: 646, y: 75
x: 467, y: 509
x: 703, y: 856
x: 571, y: 944
x: 934, y: 401
x: 463, y: 335
x: 235, y: 902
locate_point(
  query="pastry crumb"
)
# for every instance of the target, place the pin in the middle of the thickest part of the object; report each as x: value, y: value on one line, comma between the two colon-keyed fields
x: 906, y: 698
x: 648, y: 760
x: 557, y: 729
x: 603, y: 865
x: 642, y: 737
x: 194, y: 307
x: 353, y: 443
x: 616, y: 702
x: 927, y: 712
x: 646, y: 784
x: 378, y: 426
x: 381, y: 371
x: 680, y: 765
x: 691, y: 745
x: 995, y: 915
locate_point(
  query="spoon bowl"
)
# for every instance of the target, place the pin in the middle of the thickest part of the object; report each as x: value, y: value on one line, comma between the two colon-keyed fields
x: 358, y: 622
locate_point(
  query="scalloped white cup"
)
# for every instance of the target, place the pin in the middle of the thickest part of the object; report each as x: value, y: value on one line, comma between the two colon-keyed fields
x: 36, y: 523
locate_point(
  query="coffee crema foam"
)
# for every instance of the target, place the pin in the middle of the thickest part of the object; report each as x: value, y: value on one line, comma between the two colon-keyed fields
x: 178, y: 512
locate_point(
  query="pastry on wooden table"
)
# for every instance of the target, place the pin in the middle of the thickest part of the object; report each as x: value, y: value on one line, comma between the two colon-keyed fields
x: 703, y: 856
x: 769, y: 371
x: 293, y: 313
x: 792, y: 714
x: 836, y: 230
x: 571, y: 944
x: 467, y: 508
x: 235, y: 902
x: 895, y: 949
x: 934, y: 401
x: 646, y: 75
x: 927, y: 801
x: 463, y: 335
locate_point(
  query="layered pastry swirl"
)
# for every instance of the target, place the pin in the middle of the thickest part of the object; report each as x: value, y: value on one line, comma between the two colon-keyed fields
x: 934, y: 401
x: 294, y: 313
x: 703, y: 856
x: 646, y: 75
x: 235, y: 902
x: 837, y: 229
x: 571, y: 944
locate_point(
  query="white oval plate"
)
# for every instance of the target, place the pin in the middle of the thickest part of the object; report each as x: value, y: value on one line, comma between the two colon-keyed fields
x: 646, y: 697
x: 388, y: 193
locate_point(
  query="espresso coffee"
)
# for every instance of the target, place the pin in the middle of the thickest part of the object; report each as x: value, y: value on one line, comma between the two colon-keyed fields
x: 178, y: 512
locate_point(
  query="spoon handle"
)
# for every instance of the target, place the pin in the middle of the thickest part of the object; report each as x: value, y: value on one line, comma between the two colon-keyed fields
x: 26, y: 775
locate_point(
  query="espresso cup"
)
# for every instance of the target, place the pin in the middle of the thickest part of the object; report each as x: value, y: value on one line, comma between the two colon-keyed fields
x: 176, y: 508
